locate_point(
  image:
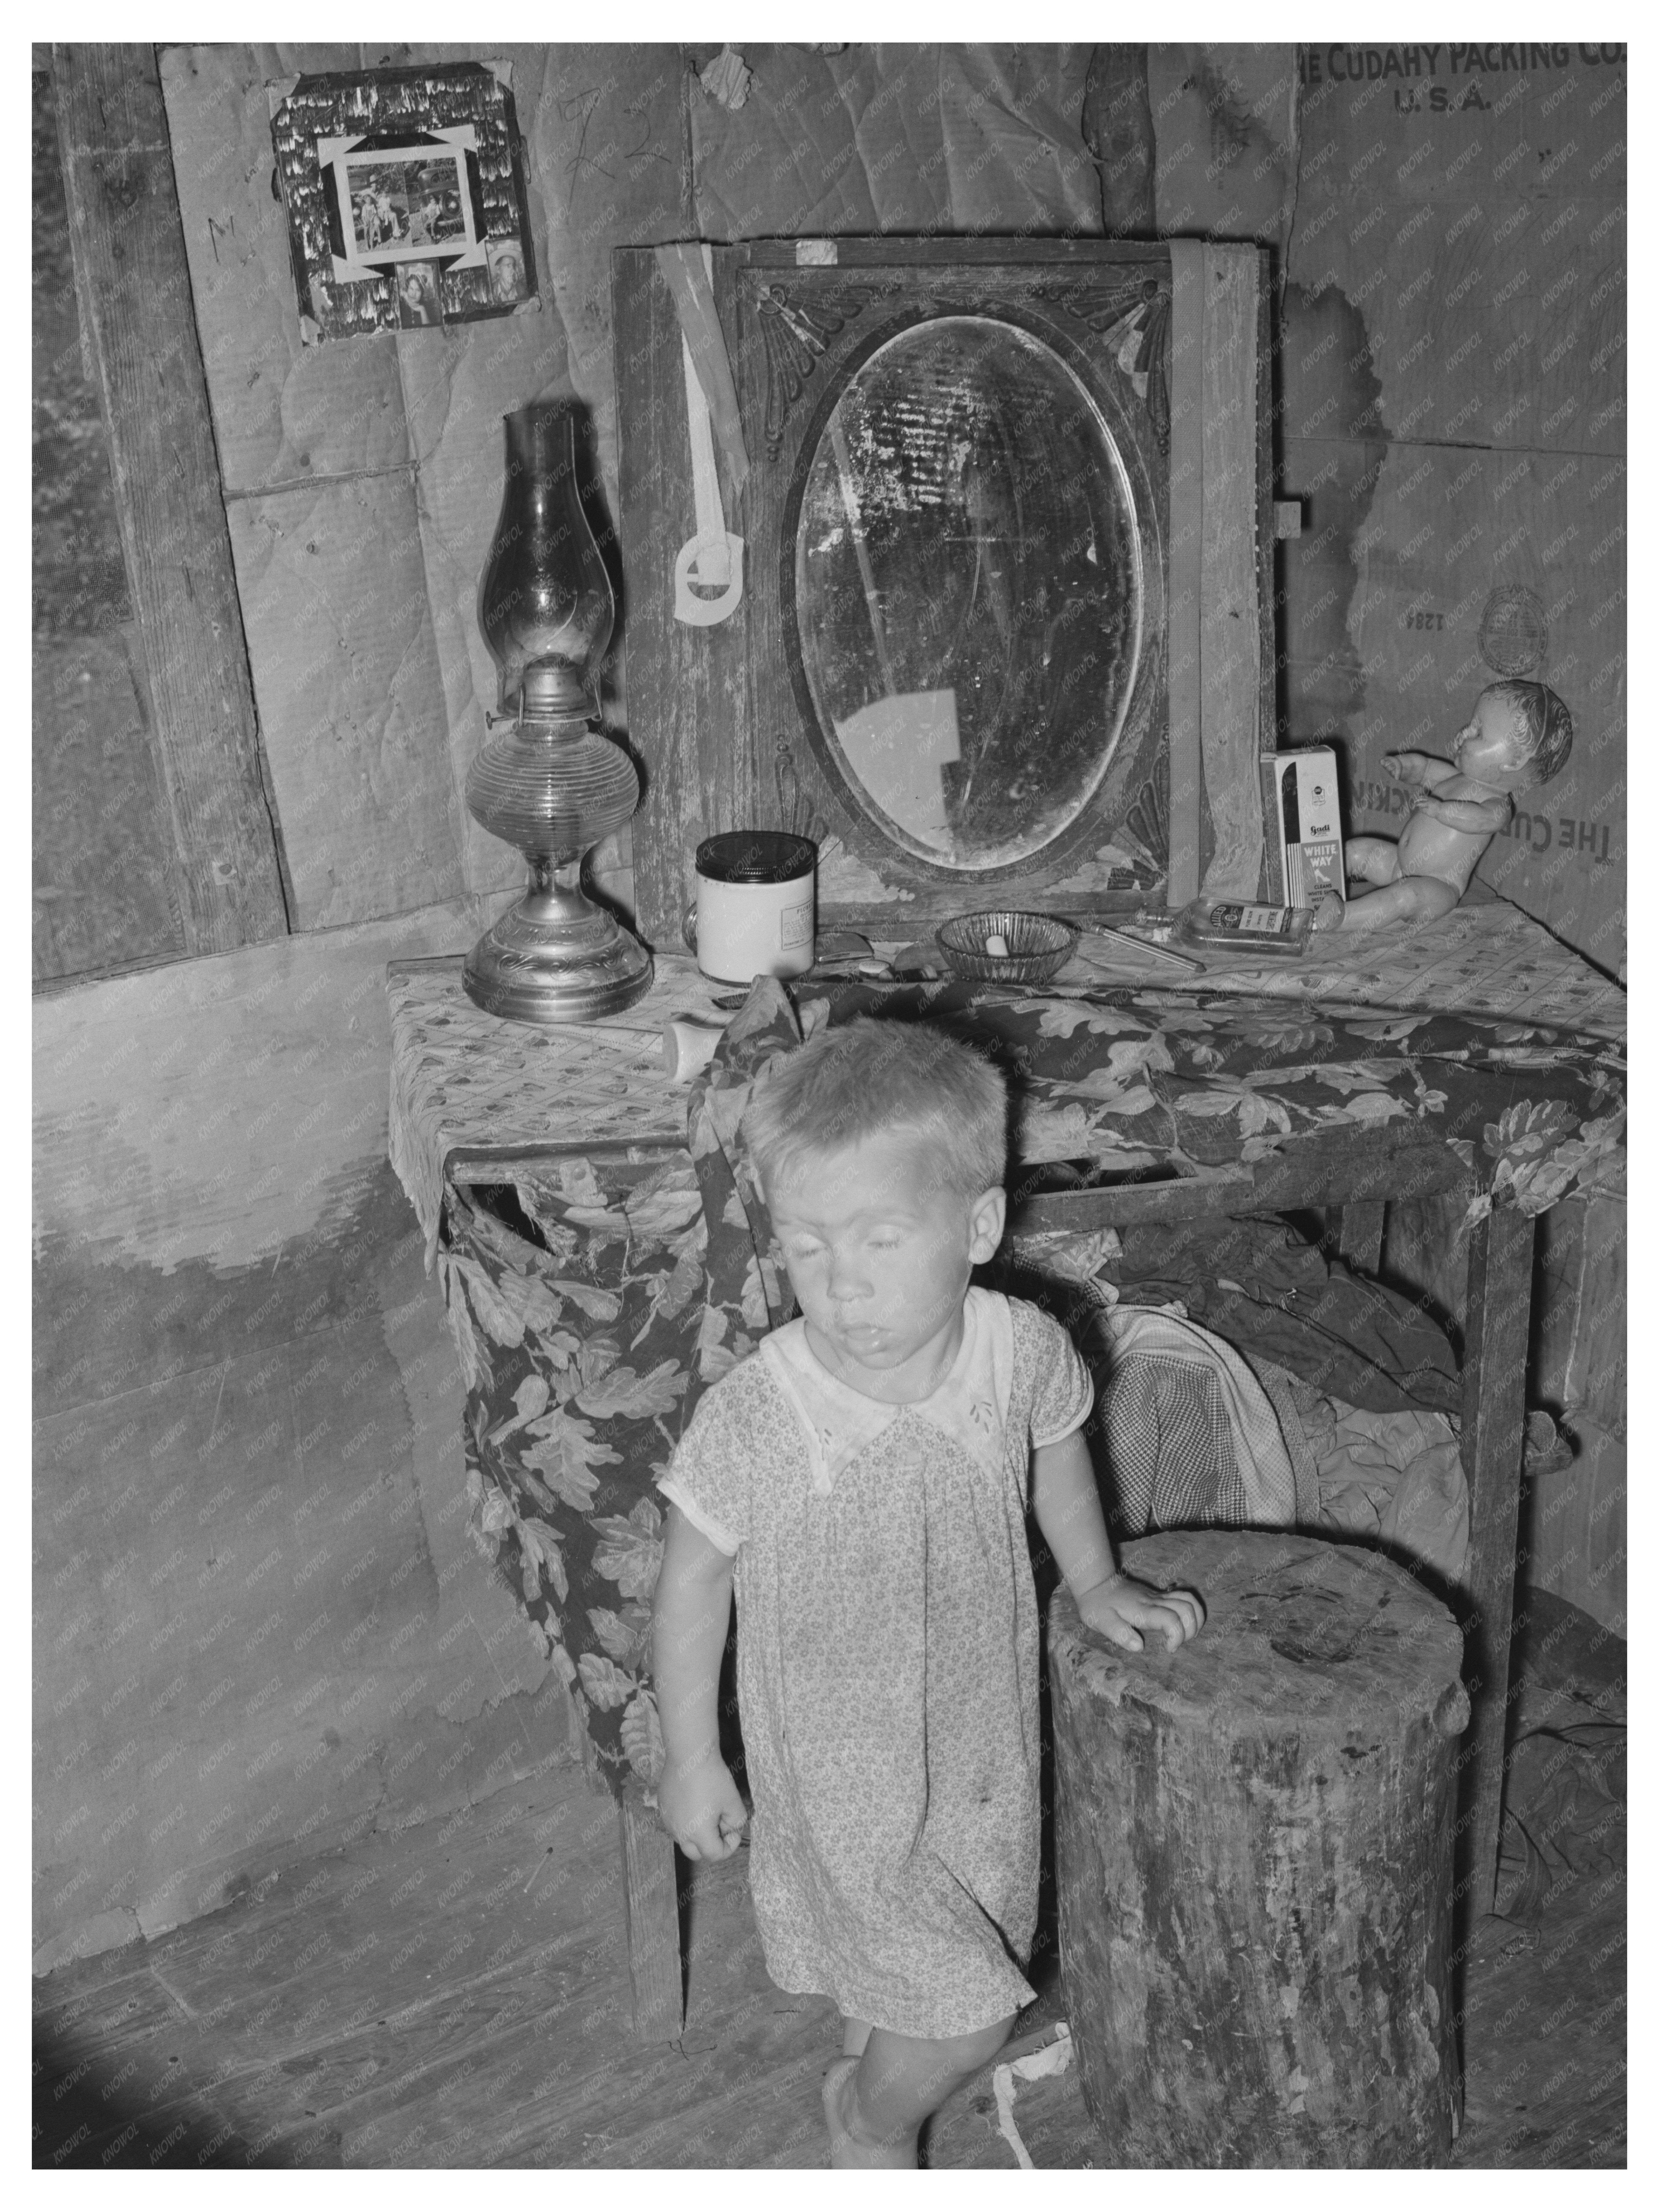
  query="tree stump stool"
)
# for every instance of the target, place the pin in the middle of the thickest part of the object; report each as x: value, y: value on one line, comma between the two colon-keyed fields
x: 1254, y: 1845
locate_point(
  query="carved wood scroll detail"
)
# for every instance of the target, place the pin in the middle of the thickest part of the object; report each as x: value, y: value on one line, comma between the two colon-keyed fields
x: 1133, y: 319
x: 1148, y: 820
x: 794, y: 334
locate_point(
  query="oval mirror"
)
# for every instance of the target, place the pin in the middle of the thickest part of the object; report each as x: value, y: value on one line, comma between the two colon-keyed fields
x: 969, y: 592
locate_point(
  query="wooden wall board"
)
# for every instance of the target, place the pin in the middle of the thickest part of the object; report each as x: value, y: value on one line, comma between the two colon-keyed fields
x: 77, y: 579
x: 335, y: 596
x: 1229, y: 674
x: 1271, y: 720
x: 701, y: 686
x: 1186, y: 601
x: 102, y: 844
x: 133, y: 277
x: 101, y: 835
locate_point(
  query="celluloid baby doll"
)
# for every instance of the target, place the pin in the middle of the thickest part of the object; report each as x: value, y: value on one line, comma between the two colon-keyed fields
x: 1518, y: 736
x: 866, y: 1474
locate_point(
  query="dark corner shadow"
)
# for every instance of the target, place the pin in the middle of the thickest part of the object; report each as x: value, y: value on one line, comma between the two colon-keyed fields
x: 79, y: 2125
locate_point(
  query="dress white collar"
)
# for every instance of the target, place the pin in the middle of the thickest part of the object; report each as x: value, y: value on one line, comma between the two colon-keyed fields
x: 970, y: 1403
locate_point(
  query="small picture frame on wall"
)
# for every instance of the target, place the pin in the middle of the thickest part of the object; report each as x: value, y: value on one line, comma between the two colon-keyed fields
x: 406, y: 198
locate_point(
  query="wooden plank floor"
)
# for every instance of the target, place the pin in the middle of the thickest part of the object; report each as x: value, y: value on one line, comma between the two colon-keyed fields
x: 456, y: 1995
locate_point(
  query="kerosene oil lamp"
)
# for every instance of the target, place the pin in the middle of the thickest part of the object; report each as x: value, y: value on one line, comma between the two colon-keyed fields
x: 546, y: 780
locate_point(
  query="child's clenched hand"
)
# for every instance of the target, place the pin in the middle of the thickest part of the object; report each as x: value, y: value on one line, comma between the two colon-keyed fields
x: 1128, y: 1613
x: 702, y: 1808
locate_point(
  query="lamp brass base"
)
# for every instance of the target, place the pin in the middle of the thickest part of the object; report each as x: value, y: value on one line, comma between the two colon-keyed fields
x: 556, y: 957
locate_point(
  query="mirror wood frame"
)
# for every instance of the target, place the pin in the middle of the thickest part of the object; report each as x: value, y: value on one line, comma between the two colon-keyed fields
x: 720, y: 717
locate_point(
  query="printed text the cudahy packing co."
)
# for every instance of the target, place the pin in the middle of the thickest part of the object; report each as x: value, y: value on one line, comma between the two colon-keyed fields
x: 1567, y: 832
x: 1345, y: 65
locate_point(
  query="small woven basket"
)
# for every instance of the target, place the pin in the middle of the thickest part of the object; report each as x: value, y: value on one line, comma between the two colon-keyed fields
x: 1038, y: 946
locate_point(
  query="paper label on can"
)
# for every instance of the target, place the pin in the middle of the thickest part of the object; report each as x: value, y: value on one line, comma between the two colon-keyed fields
x: 795, y: 925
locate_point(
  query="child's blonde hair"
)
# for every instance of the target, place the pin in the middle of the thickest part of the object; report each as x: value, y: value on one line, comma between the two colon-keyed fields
x: 867, y: 1078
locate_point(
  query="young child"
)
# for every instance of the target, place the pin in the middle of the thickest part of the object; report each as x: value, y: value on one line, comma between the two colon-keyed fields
x: 1519, y: 736
x: 866, y: 1470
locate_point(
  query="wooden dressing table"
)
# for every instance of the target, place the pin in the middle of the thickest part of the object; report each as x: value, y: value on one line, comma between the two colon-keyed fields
x: 551, y: 1173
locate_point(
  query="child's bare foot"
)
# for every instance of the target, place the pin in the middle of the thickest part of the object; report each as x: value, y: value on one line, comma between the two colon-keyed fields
x: 849, y: 2149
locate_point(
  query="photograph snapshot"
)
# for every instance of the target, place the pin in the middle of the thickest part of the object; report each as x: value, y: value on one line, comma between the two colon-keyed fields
x: 403, y: 208
x: 418, y: 295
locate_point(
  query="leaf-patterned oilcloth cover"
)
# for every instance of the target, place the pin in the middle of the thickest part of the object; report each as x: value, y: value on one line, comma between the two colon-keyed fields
x: 591, y: 1304
x: 1131, y: 1080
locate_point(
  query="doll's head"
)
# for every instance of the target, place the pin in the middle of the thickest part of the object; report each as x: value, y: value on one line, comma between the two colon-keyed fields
x: 1518, y: 736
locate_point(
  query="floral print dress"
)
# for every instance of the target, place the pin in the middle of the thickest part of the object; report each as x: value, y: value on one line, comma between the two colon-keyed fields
x: 887, y: 1661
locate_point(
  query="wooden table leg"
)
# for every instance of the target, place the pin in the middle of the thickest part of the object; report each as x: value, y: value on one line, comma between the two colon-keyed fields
x: 652, y: 1903
x: 1494, y: 1425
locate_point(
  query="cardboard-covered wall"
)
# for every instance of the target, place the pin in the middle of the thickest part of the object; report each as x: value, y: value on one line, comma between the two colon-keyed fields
x: 1449, y: 224
x: 1454, y: 392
